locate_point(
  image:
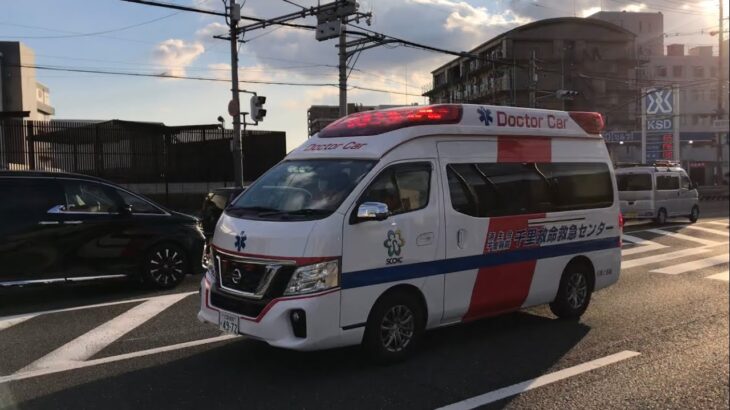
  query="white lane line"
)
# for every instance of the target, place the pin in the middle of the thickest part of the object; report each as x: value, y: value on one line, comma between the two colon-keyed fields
x: 724, y: 276
x: 79, y: 365
x: 6, y: 323
x: 93, y: 341
x: 644, y: 245
x: 31, y: 315
x: 710, y: 230
x: 685, y: 237
x: 662, y: 257
x: 694, y: 265
x: 539, y: 381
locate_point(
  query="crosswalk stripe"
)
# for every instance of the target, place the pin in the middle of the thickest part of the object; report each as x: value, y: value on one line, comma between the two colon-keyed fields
x: 661, y: 258
x: 712, y: 231
x: 93, y: 341
x: 720, y: 223
x: 724, y: 276
x: 644, y: 245
x: 694, y: 265
x: 684, y: 237
x: 7, y: 323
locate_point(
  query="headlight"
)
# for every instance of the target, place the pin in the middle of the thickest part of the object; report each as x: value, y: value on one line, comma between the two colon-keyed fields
x: 314, y: 278
x: 209, y: 264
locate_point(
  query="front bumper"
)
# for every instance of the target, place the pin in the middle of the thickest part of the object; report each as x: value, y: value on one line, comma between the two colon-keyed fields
x: 273, y: 324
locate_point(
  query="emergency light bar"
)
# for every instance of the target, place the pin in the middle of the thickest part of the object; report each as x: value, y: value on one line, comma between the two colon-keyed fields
x: 380, y: 121
x: 591, y: 122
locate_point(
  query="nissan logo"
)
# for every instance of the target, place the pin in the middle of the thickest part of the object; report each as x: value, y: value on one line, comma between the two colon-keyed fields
x: 236, y: 276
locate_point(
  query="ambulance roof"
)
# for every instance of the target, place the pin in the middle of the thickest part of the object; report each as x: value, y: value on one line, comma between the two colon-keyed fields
x: 371, y: 134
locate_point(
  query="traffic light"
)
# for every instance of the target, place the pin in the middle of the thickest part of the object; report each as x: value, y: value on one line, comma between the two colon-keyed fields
x: 257, y: 108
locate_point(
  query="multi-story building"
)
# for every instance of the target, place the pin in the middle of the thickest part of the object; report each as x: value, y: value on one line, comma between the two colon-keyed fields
x: 648, y: 27
x: 529, y: 64
x: 19, y: 90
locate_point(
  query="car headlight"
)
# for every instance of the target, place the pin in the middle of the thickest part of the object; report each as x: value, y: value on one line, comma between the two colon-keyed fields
x: 209, y: 265
x: 314, y: 278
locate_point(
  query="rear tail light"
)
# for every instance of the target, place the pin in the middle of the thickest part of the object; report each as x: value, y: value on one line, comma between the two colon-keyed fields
x: 621, y: 221
x: 591, y: 122
x: 380, y: 121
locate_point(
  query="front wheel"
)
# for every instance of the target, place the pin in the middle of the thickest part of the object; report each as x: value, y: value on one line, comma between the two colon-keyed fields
x: 574, y: 294
x: 394, y: 328
x: 695, y: 214
x: 164, y: 266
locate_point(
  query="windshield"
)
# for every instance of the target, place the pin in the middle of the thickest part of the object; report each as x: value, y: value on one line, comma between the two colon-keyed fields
x: 634, y: 182
x: 300, y: 189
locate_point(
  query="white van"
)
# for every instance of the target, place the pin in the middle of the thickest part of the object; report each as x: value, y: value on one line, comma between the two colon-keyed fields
x: 391, y: 222
x: 657, y: 192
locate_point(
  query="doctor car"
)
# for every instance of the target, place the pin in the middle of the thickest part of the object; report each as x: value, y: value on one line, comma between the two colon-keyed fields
x: 388, y: 223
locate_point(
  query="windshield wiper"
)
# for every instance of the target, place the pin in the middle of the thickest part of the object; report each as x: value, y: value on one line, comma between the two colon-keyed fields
x: 298, y: 212
x: 239, y: 209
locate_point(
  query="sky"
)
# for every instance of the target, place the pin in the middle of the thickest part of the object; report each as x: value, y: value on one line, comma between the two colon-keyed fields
x: 113, y: 35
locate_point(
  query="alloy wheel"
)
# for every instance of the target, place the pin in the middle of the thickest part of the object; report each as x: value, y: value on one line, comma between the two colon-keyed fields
x: 397, y: 328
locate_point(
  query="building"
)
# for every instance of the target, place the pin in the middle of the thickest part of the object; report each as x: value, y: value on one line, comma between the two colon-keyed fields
x: 528, y: 65
x: 19, y: 90
x: 320, y: 116
x: 648, y: 27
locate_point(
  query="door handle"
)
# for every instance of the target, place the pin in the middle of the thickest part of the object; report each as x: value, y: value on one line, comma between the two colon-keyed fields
x: 48, y: 223
x: 460, y: 238
x: 73, y: 222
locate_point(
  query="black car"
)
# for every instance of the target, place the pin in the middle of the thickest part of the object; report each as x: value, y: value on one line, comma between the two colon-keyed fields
x: 58, y: 227
x: 213, y: 205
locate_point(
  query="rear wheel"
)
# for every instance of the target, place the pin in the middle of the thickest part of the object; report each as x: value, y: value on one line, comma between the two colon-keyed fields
x: 661, y: 217
x: 164, y: 266
x: 695, y: 214
x: 574, y: 293
x: 394, y: 328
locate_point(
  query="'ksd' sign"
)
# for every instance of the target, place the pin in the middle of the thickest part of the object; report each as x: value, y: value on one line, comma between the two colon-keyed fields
x: 659, y: 101
x: 659, y: 125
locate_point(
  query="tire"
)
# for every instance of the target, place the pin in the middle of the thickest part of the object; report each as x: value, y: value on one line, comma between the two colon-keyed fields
x: 164, y: 266
x: 695, y: 214
x: 574, y: 293
x: 403, y: 313
x: 661, y: 217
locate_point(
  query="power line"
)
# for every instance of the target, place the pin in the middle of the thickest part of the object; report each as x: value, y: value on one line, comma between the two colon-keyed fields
x: 96, y: 33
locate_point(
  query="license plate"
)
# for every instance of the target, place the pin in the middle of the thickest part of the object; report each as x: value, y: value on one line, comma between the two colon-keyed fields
x: 228, y: 323
x: 630, y: 215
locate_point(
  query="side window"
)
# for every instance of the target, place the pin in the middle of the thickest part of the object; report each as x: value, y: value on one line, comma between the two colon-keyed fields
x: 403, y: 187
x: 28, y: 196
x: 89, y: 197
x: 686, y: 183
x: 579, y: 185
x: 461, y: 199
x: 667, y: 182
x: 139, y: 205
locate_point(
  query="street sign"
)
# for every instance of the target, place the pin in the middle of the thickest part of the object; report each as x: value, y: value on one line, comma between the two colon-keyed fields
x: 233, y: 109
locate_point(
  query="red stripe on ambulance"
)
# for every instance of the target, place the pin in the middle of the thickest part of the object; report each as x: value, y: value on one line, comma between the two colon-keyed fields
x: 524, y: 149
x: 503, y: 288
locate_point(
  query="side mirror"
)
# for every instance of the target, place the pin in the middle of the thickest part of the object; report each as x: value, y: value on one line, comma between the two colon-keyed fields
x: 57, y: 209
x: 126, y: 209
x: 372, y: 211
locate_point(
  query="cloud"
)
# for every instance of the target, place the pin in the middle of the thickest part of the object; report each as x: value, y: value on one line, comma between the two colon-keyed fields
x: 206, y: 33
x: 590, y: 11
x: 175, y: 55
x: 634, y: 7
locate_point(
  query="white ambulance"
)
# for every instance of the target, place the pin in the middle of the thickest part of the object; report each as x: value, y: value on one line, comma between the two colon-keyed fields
x: 391, y: 222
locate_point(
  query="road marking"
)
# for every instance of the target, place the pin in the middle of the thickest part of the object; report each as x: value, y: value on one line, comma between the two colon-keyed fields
x: 662, y: 257
x: 725, y: 276
x: 111, y: 359
x: 93, y: 341
x: 7, y: 321
x: 724, y: 223
x: 694, y: 265
x: 685, y: 237
x: 712, y: 231
x: 539, y: 381
x: 644, y: 245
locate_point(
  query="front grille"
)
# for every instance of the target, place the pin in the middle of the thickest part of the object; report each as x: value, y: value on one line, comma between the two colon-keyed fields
x: 245, y: 307
x: 252, y: 278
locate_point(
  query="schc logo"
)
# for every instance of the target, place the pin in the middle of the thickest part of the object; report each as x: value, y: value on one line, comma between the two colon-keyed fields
x: 394, y: 242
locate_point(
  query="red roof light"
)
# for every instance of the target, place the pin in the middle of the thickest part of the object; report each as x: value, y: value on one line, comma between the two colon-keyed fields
x: 591, y: 122
x: 380, y: 121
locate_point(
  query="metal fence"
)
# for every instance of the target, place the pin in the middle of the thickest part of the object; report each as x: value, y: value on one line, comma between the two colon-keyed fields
x: 152, y: 158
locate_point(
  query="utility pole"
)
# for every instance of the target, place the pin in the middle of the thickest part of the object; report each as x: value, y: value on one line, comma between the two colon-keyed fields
x: 721, y: 93
x: 234, y: 109
x: 343, y: 67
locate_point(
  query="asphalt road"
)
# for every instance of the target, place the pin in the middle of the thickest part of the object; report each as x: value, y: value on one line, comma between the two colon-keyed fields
x: 657, y: 339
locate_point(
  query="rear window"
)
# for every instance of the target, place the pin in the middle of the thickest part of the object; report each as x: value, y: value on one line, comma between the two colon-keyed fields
x: 28, y: 196
x: 634, y: 182
x: 667, y: 182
